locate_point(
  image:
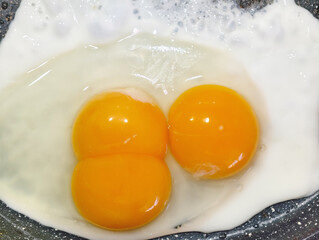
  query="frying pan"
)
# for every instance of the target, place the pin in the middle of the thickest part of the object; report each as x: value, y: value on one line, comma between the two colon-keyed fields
x: 293, y: 219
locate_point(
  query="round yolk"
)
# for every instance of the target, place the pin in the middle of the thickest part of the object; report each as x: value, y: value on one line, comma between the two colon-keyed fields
x: 213, y: 131
x: 114, y: 122
x: 120, y: 192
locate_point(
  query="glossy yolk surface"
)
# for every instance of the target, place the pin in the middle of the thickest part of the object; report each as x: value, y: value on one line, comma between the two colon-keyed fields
x: 213, y: 131
x: 121, y: 192
x: 113, y: 123
x: 122, y: 181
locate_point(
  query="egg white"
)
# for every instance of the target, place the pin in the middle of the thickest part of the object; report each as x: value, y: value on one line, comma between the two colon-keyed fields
x: 273, y: 71
x: 39, y: 110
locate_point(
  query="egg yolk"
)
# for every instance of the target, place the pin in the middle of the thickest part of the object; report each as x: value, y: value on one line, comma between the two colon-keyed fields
x: 213, y: 131
x: 121, y: 192
x: 121, y: 181
x: 114, y: 122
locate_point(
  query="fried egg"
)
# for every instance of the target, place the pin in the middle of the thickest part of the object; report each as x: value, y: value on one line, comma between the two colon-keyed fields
x: 66, y: 54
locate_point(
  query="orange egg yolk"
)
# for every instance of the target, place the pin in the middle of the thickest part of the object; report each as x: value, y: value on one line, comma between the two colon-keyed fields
x: 114, y: 122
x: 121, y: 181
x: 121, y: 192
x: 213, y: 131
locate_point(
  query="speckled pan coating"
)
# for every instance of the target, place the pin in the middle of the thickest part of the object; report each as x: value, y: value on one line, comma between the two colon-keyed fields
x: 294, y: 219
x: 7, y: 11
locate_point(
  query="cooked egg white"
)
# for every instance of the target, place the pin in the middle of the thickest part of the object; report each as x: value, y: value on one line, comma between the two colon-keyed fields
x: 64, y: 55
x: 40, y: 108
